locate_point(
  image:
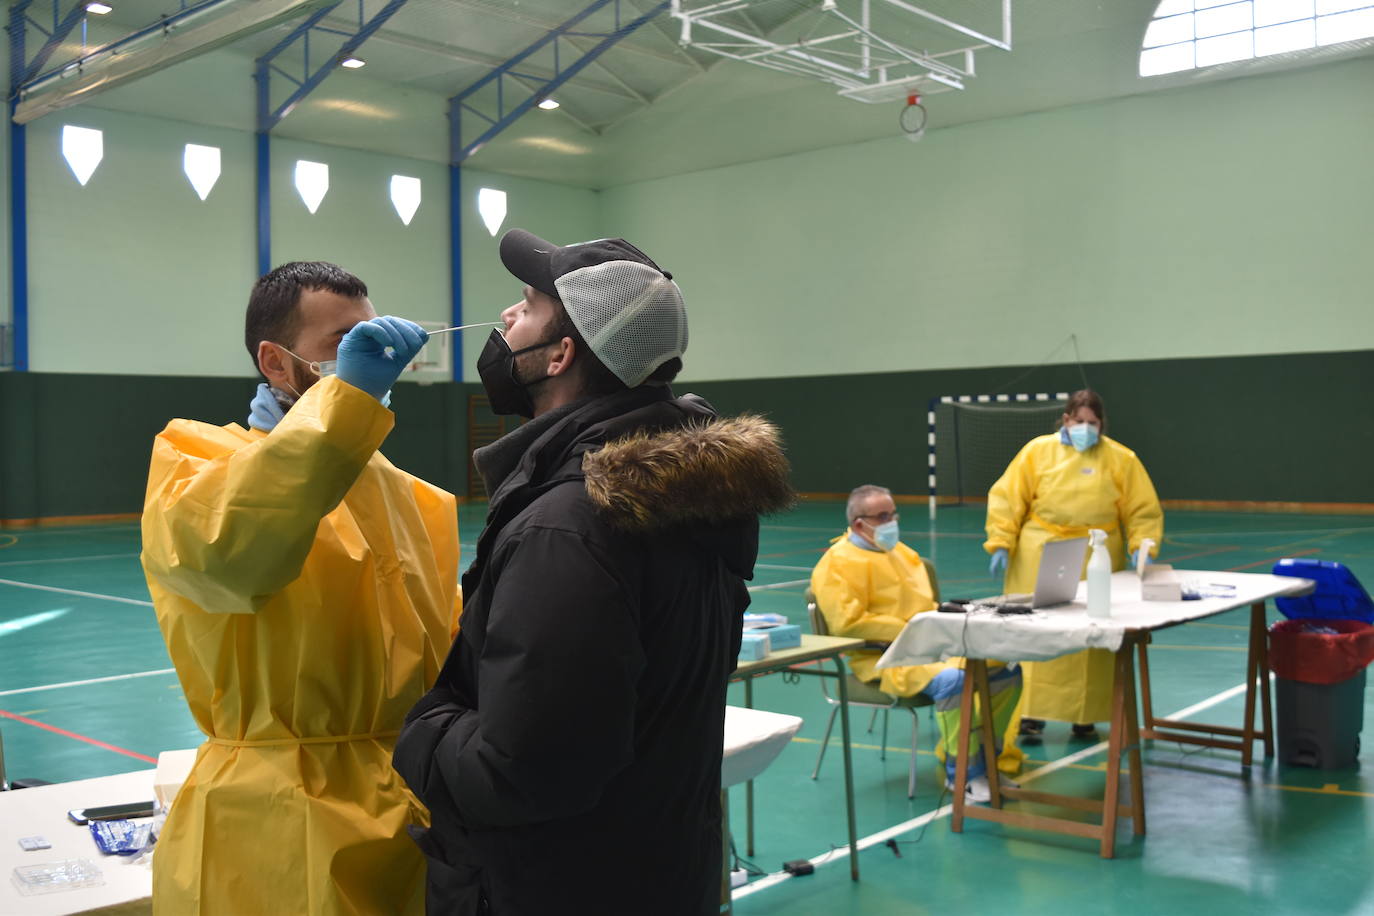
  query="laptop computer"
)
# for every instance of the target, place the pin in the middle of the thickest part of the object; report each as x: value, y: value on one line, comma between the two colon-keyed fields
x: 1061, y: 569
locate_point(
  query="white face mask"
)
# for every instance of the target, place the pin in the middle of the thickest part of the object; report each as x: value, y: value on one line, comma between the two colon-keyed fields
x: 886, y: 535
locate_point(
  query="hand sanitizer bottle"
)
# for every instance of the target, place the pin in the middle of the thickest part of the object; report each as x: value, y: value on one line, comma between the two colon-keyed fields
x: 1099, y: 575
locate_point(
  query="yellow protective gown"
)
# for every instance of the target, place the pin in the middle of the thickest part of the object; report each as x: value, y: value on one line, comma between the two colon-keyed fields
x: 307, y: 591
x: 870, y: 594
x: 1050, y: 492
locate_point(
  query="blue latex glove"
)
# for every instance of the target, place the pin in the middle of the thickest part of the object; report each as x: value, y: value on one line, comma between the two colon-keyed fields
x: 998, y: 566
x: 266, y: 411
x: 363, y: 358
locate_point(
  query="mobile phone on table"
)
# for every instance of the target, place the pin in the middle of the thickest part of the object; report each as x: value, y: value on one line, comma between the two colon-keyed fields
x: 111, y: 812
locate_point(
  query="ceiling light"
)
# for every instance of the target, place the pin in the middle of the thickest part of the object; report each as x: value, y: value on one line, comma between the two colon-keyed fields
x: 352, y: 63
x: 548, y: 104
x: 100, y: 9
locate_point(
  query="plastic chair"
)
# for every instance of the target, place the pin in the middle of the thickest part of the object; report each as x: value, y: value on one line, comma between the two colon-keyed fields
x: 867, y: 695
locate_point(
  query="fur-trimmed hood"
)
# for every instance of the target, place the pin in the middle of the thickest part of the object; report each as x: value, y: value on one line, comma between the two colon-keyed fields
x: 706, y: 472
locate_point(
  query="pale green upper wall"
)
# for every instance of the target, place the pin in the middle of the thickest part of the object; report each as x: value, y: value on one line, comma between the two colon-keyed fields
x: 1230, y: 218
x: 133, y: 273
x: 554, y: 212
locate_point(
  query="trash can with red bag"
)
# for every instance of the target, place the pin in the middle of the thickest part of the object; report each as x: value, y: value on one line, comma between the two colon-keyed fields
x: 1319, y: 656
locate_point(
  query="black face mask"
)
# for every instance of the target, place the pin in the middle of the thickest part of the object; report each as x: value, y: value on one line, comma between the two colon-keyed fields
x: 496, y: 367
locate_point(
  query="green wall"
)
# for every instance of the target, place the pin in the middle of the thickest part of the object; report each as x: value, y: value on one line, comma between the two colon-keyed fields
x: 1207, y: 247
x: 1266, y: 428
x: 1230, y: 218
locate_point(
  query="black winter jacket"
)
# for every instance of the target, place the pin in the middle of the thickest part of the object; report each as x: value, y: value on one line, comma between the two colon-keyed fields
x: 570, y: 750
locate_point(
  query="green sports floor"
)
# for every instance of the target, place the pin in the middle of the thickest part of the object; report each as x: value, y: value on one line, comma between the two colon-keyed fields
x: 86, y: 689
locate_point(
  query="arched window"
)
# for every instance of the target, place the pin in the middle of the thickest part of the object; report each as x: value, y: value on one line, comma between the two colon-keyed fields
x: 1191, y: 34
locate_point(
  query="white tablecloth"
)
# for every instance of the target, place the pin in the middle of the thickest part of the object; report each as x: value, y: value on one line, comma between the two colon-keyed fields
x: 753, y: 739
x: 1052, y: 632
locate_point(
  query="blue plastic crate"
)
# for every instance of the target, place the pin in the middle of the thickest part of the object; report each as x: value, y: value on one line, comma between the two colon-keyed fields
x: 1338, y: 596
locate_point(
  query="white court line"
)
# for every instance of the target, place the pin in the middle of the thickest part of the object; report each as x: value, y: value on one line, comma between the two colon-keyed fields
x: 103, y: 556
x: 775, y: 566
x: 94, y: 680
x: 760, y: 588
x: 883, y: 836
x: 72, y: 591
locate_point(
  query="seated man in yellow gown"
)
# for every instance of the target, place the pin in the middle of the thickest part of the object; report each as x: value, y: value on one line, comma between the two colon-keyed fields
x: 868, y: 585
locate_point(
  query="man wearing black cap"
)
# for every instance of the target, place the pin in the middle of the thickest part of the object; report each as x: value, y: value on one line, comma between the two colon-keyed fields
x: 570, y: 751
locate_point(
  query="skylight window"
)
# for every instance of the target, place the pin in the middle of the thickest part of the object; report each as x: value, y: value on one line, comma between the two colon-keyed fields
x: 201, y: 164
x: 312, y: 182
x: 83, y: 148
x: 405, y: 197
x: 1190, y: 34
x: 491, y: 204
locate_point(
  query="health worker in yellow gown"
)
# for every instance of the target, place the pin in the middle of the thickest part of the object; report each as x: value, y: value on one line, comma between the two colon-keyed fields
x: 307, y: 590
x: 868, y: 585
x: 1059, y: 486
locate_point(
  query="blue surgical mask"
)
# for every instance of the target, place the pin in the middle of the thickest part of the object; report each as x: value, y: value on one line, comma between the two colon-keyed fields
x: 1082, y: 436
x: 886, y: 535
x: 324, y: 368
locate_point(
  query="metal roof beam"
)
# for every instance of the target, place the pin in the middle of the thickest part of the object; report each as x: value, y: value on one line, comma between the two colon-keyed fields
x: 175, y: 38
x: 504, y: 116
x: 269, y: 117
x: 58, y: 35
x: 468, y: 55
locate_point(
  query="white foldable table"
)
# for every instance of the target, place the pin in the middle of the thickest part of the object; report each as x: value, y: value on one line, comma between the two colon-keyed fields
x: 1052, y: 632
x: 753, y: 740
x: 128, y: 887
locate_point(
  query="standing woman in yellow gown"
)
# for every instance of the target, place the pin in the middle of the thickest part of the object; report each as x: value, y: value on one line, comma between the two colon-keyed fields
x: 1057, y: 487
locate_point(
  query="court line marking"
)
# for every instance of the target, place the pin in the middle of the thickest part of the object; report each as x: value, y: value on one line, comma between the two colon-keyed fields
x: 68, y: 734
x: 789, y: 568
x: 1272, y: 560
x: 94, y: 680
x: 877, y: 839
x: 72, y: 591
x: 102, y: 556
x: 793, y: 584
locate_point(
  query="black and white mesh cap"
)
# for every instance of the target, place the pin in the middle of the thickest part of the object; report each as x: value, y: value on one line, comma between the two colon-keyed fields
x: 627, y: 308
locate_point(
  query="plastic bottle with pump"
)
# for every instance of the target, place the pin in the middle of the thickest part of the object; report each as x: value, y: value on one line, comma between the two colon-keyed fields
x: 1099, y: 575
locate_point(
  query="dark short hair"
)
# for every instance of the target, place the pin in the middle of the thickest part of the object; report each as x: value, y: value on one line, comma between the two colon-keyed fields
x: 274, y: 305
x: 1089, y: 399
x: 597, y: 380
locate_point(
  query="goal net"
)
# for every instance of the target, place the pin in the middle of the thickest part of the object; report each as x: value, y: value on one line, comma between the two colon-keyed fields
x: 974, y: 437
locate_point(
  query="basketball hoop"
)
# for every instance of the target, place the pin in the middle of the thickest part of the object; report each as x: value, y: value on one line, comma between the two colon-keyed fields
x: 913, y: 118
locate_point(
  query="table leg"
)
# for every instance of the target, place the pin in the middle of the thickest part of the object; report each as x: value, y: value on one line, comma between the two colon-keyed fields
x: 1137, y: 764
x: 987, y: 733
x: 848, y: 769
x: 749, y: 786
x: 1266, y: 701
x: 1115, y: 743
x: 1146, y: 702
x: 1247, y: 727
x: 726, y: 893
x: 956, y: 821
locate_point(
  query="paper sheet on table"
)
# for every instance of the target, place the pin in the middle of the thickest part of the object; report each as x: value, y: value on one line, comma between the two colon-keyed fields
x: 935, y: 636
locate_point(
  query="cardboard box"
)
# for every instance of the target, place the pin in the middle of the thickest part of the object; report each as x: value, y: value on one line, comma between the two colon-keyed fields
x: 783, y: 636
x: 763, y: 620
x: 753, y: 646
x: 1159, y: 583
